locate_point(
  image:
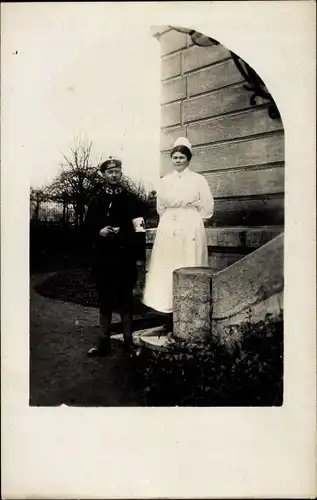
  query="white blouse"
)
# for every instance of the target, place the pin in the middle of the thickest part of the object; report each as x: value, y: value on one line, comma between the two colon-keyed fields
x: 185, y: 189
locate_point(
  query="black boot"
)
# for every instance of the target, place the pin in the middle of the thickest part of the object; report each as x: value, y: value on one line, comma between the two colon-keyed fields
x: 102, y: 349
x: 168, y: 325
x: 128, y: 344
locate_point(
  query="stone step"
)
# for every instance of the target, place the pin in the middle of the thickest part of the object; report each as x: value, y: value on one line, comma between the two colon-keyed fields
x: 140, y: 322
x: 155, y: 338
x: 234, y: 236
x: 152, y: 338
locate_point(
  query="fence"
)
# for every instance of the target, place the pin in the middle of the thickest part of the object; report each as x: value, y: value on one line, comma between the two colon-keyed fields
x: 56, y: 237
x: 53, y: 213
x: 63, y: 214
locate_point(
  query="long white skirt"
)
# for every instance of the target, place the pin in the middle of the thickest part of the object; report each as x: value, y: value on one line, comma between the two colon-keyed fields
x: 180, y: 242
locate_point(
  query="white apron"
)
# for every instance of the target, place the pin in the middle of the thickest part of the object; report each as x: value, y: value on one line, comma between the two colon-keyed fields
x: 184, y: 201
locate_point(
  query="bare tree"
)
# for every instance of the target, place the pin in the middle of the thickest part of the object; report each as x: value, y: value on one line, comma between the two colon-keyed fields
x: 77, y: 181
x: 146, y: 198
x: 37, y: 197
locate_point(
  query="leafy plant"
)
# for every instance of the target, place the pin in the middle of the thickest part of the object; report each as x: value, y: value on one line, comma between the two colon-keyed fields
x: 200, y: 373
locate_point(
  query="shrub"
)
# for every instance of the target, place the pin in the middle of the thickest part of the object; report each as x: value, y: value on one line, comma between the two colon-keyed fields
x: 77, y: 286
x: 206, y: 374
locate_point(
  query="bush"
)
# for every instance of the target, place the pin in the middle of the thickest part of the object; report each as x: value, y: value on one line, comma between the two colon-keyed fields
x: 58, y: 245
x: 206, y: 374
x: 77, y: 286
x: 54, y: 246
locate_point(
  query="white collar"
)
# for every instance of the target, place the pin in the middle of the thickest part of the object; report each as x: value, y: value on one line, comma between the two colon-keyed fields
x: 183, y: 172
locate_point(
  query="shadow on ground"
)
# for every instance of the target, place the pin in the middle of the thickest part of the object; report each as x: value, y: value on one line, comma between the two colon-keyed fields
x: 76, y: 286
x: 60, y: 371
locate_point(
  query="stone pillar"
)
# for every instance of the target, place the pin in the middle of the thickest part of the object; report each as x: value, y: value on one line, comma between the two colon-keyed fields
x: 192, y: 302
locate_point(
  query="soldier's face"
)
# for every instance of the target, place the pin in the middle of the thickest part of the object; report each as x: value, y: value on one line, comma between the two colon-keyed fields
x: 112, y: 175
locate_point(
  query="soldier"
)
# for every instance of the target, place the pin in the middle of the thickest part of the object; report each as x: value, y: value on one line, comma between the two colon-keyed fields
x: 115, y: 227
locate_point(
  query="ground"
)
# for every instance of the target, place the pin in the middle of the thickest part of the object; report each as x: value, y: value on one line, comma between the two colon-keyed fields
x: 61, y: 332
x: 60, y: 371
x: 77, y: 286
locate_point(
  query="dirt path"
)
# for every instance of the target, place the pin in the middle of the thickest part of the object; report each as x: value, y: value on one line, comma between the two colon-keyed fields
x: 60, y: 372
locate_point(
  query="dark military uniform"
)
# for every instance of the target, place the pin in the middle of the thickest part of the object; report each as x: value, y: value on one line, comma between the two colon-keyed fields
x: 114, y: 256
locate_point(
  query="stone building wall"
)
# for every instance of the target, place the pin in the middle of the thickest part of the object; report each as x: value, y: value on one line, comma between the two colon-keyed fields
x: 236, y: 146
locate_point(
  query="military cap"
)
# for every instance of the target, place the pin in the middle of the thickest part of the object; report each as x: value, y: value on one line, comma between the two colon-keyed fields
x: 111, y: 162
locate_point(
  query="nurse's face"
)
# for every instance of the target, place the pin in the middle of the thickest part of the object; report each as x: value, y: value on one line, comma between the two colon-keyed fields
x: 112, y: 175
x: 180, y: 161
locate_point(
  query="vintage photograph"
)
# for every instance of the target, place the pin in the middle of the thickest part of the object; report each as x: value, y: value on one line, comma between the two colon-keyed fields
x: 156, y: 221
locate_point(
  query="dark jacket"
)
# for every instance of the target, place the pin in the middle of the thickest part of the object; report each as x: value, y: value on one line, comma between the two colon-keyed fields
x: 116, y: 210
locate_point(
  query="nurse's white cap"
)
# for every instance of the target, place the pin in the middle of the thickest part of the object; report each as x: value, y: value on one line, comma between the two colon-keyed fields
x: 182, y: 141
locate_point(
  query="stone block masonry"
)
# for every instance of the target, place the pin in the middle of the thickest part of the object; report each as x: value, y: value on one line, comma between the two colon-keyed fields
x: 238, y: 147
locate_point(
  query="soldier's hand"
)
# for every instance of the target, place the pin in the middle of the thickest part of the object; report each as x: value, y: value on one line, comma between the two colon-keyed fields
x: 105, y: 231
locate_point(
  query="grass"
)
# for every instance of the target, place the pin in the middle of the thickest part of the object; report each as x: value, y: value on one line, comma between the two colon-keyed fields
x: 60, y: 371
x: 63, y: 326
x: 76, y: 286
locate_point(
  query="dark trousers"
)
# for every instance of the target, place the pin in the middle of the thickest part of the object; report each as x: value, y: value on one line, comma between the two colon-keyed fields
x: 115, y: 281
x: 114, y: 285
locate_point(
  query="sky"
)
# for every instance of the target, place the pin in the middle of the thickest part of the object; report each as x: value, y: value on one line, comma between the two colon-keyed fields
x: 89, y: 80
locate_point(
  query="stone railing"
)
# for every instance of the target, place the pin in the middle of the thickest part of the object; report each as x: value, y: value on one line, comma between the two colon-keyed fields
x: 213, y: 302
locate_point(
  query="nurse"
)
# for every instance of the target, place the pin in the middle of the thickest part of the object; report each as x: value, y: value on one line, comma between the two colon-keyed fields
x: 184, y: 202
